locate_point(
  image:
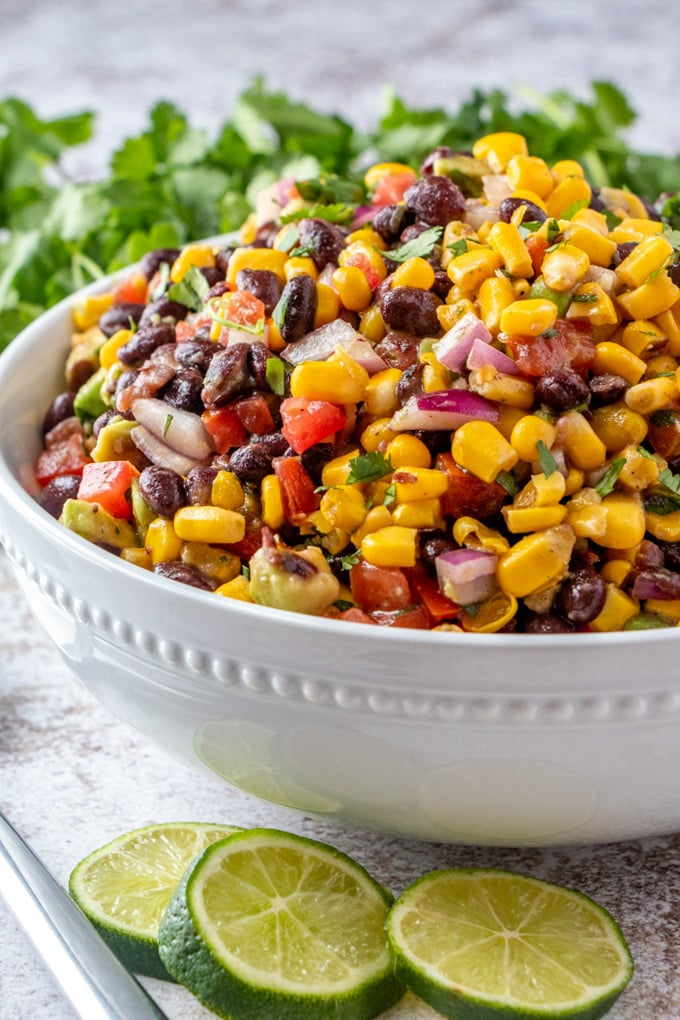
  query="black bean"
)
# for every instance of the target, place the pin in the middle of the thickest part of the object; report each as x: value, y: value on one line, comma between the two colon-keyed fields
x: 264, y: 284
x: 163, y: 310
x: 441, y: 152
x: 198, y: 484
x: 258, y: 357
x: 142, y: 343
x: 606, y: 389
x: 561, y: 389
x: 195, y: 353
x: 596, y: 201
x: 671, y: 555
x: 436, y: 440
x: 56, y: 492
x: 314, y: 458
x: 217, y: 290
x: 274, y: 443
x: 185, y: 573
x: 228, y: 375
x: 120, y: 316
x: 435, y: 200
x: 674, y: 272
x: 60, y: 408
x: 222, y: 259
x: 648, y: 556
x: 433, y: 544
x: 411, y: 310
x: 184, y: 391
x: 532, y: 213
x: 251, y: 463
x: 163, y: 490
x: 411, y: 382
x: 107, y: 417
x: 442, y: 283
x: 390, y: 220
x: 581, y: 596
x: 546, y: 623
x: 152, y: 261
x: 411, y: 232
x: 326, y: 240
x: 265, y: 234
x: 126, y: 379
x: 213, y: 275
x: 296, y: 308
x: 622, y: 252
x: 398, y: 349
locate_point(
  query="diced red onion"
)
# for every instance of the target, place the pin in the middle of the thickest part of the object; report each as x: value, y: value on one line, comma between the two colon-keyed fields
x: 657, y: 583
x: 363, y: 215
x: 444, y: 409
x: 453, y: 348
x: 482, y: 353
x: 477, y: 213
x: 232, y: 335
x: 160, y: 453
x: 496, y: 188
x: 321, y: 343
x: 606, y: 278
x: 179, y: 430
x: 467, y: 575
x: 326, y: 274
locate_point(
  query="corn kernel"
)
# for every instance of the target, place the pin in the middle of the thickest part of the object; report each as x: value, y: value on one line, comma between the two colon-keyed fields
x: 87, y: 311
x: 566, y: 168
x: 328, y: 380
x: 377, y: 518
x: 367, y: 254
x: 646, y: 258
x: 635, y: 228
x: 377, y: 434
x: 530, y: 430
x: 449, y: 314
x: 530, y: 172
x: 527, y: 195
x: 256, y: 258
x: 665, y: 527
x: 216, y: 563
x: 435, y: 375
x: 568, y: 191
x: 501, y: 387
x: 393, y: 546
x: 599, y: 249
x: 493, y: 614
x: 625, y: 521
x: 371, y: 323
x: 138, y: 557
x: 375, y: 173
x: 531, y: 316
x: 415, y: 483
x: 652, y: 298
x: 508, y: 417
x: 471, y: 533
x: 639, y: 471
x: 299, y: 265
x: 573, y: 481
x: 108, y: 352
x: 415, y: 272
x: 238, y: 589
x: 498, y: 149
x: 617, y: 426
x: 211, y: 524
x: 541, y: 490
x: 191, y: 255
x: 494, y: 295
x: 615, y: 572
x: 162, y: 541
x: 532, y: 518
x: 507, y: 241
x: 670, y: 326
x: 641, y: 336
x: 275, y: 340
x: 668, y: 608
x: 335, y: 541
x: 612, y: 358
x: 587, y: 520
x: 344, y: 507
x: 272, y: 502
x: 327, y: 305
x: 651, y: 395
x: 336, y: 471
x: 581, y: 443
x: 480, y: 448
x: 590, y: 301
x: 592, y: 219
x: 352, y: 287
x: 661, y: 364
x: 422, y: 513
x: 380, y: 394
x: 617, y: 610
x: 469, y: 270
x: 536, y: 561
x: 368, y: 236
x: 227, y: 491
x: 564, y: 266
x: 406, y: 450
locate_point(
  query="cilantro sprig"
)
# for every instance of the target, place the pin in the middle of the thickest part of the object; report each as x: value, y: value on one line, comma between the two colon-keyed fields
x: 418, y: 247
x: 369, y: 467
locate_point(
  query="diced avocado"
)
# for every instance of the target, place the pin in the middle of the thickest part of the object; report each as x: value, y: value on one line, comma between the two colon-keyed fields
x: 540, y: 289
x: 89, y: 402
x: 114, y: 442
x: 91, y: 521
x: 142, y: 514
x: 465, y: 171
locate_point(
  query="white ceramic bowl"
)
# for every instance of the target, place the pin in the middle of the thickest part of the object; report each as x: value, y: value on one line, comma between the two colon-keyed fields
x: 499, y: 739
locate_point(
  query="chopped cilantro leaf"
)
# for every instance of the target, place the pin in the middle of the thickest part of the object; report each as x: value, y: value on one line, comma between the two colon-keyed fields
x: 166, y: 426
x: 671, y: 481
x: 584, y: 299
x: 662, y: 503
x: 343, y: 605
x: 335, y: 212
x: 245, y: 570
x: 571, y: 210
x: 275, y: 376
x: 458, y: 247
x: 287, y: 239
x: 351, y: 560
x: 673, y: 238
x: 368, y: 467
x: 161, y: 283
x: 508, y: 481
x: 665, y: 418
x: 302, y: 251
x: 552, y: 230
x: 548, y: 462
x: 418, y: 247
x: 608, y: 481
x: 390, y: 494
x: 191, y: 289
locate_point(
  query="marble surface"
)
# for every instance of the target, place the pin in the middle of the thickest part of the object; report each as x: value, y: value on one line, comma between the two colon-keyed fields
x: 71, y: 776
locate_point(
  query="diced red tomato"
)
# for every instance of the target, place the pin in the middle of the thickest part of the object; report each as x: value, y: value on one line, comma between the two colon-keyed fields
x: 184, y: 330
x: 306, y: 422
x: 361, y: 261
x: 108, y: 483
x: 426, y: 590
x: 568, y: 343
x: 379, y: 589
x: 65, y: 458
x: 250, y: 543
x: 415, y: 618
x: 254, y: 414
x: 466, y: 494
x: 244, y: 308
x: 225, y: 427
x: 133, y: 288
x: 355, y: 615
x: 391, y: 188
x: 297, y: 489
x: 537, y: 247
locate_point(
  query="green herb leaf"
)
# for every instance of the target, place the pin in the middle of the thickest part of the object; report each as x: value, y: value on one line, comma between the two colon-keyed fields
x: 369, y: 467
x: 458, y: 247
x: 665, y: 418
x: 330, y: 190
x: 351, y: 560
x: 162, y: 283
x: 509, y: 482
x: 287, y: 239
x: 671, y: 481
x: 275, y: 376
x: 584, y: 299
x: 390, y: 494
x: 662, y: 503
x: 573, y: 208
x: 166, y: 426
x: 336, y: 212
x: 245, y: 570
x: 608, y: 481
x: 548, y: 462
x: 190, y: 290
x: 302, y: 251
x: 418, y: 247
x: 343, y: 605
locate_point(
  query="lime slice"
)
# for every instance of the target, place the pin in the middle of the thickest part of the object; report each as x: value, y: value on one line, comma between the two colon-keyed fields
x: 125, y: 886
x: 269, y: 925
x: 494, y: 945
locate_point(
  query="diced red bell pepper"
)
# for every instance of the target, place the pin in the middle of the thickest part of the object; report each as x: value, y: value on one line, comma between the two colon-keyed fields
x: 244, y: 308
x: 225, y: 427
x: 426, y: 590
x: 65, y: 458
x: 568, y: 343
x: 249, y: 544
x: 184, y: 331
x: 133, y: 288
x: 537, y: 247
x: 254, y: 414
x: 360, y: 260
x: 391, y: 188
x: 379, y: 589
x: 415, y: 618
x: 307, y: 422
x: 297, y: 489
x: 466, y: 494
x: 108, y: 483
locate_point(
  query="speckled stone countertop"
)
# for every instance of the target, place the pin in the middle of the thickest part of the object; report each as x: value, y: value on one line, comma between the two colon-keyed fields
x: 71, y: 776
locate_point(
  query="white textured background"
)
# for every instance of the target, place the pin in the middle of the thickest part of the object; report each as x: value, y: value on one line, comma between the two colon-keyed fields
x: 71, y: 777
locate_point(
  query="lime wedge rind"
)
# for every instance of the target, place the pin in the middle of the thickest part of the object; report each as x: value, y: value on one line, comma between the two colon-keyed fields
x: 449, y: 971
x: 227, y: 977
